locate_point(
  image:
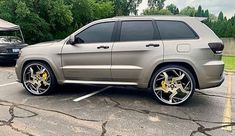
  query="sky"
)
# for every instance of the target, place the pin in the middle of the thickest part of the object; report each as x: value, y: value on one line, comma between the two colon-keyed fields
x: 214, y: 6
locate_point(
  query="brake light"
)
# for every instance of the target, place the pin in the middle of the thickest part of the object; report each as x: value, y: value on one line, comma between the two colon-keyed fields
x: 217, y: 48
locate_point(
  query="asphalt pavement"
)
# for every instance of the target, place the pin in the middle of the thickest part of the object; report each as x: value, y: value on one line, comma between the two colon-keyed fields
x: 81, y: 110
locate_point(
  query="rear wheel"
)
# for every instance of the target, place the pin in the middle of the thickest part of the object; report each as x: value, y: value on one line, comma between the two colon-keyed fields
x: 38, y: 78
x: 173, y: 84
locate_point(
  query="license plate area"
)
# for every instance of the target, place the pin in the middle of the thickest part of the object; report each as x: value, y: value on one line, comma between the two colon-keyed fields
x: 16, y: 50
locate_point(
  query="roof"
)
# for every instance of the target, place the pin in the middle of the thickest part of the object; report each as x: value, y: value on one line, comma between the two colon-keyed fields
x: 7, y: 26
x: 157, y: 17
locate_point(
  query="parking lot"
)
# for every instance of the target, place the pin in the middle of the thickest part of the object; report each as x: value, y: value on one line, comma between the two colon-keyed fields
x: 112, y: 111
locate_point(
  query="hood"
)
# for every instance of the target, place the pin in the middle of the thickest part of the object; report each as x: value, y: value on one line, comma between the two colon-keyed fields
x: 44, y: 44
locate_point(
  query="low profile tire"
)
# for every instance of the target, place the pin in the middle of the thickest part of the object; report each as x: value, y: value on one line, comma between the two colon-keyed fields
x: 38, y: 78
x: 173, y: 84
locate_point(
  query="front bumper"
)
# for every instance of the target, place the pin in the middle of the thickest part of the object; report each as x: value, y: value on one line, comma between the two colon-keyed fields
x: 8, y: 56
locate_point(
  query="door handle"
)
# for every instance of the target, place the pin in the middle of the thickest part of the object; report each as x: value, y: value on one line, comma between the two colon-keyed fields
x: 103, y: 47
x: 153, y: 45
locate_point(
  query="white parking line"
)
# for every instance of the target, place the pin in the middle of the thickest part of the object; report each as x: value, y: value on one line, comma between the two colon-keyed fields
x: 91, y: 94
x: 8, y: 84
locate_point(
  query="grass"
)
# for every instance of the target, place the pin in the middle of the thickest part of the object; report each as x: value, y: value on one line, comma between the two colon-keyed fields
x: 229, y: 62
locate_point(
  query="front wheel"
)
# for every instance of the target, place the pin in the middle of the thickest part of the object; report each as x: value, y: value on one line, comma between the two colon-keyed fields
x: 38, y: 78
x: 173, y: 85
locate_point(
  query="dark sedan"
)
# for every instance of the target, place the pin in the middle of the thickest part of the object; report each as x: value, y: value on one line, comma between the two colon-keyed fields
x: 11, y: 41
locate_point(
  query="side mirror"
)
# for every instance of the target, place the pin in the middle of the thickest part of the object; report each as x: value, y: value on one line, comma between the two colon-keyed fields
x: 72, y: 40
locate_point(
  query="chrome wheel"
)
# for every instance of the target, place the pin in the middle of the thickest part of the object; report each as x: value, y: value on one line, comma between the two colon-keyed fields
x: 36, y: 79
x: 173, y: 86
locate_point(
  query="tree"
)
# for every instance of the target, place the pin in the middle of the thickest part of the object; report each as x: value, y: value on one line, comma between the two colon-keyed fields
x: 156, y: 11
x: 188, y: 11
x: 173, y: 9
x: 199, y: 12
x: 221, y: 16
x: 156, y: 4
x: 206, y: 14
x: 125, y: 7
x: 43, y: 20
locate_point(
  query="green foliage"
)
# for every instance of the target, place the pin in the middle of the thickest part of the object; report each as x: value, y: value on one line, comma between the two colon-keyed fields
x: 188, y: 11
x: 125, y: 7
x: 229, y: 62
x: 200, y: 11
x: 173, y: 9
x: 43, y: 20
x: 222, y: 26
x: 221, y: 16
x: 156, y: 11
x: 156, y: 4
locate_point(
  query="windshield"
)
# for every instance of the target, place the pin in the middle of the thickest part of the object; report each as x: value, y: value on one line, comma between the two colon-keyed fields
x: 10, y: 37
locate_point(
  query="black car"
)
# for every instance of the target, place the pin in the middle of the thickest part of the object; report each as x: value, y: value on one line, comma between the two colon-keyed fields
x: 11, y: 41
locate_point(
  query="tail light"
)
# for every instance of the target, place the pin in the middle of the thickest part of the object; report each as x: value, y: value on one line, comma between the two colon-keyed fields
x: 217, y: 48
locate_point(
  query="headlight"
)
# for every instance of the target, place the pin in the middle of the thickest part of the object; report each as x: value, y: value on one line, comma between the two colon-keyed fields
x: 3, y: 50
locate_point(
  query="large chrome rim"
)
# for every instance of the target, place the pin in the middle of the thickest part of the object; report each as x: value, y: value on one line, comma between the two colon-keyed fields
x: 173, y: 86
x: 36, y: 79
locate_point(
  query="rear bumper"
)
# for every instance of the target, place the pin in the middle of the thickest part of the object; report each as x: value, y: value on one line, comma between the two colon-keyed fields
x: 211, y: 74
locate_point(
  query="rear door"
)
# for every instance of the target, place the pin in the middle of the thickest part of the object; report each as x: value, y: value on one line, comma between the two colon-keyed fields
x: 137, y: 48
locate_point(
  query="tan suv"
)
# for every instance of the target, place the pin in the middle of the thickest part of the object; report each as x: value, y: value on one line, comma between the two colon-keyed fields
x: 171, y: 55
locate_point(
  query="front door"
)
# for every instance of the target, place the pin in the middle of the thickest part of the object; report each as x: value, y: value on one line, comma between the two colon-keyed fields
x: 89, y: 59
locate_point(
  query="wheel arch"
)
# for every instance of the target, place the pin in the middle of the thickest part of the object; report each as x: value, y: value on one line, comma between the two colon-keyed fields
x: 184, y: 64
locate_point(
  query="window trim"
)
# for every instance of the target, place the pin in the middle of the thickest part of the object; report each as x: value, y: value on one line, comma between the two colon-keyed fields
x: 196, y: 35
x: 156, y: 34
x: 112, y: 35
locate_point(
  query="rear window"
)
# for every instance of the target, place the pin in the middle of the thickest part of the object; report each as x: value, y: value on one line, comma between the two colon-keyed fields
x: 175, y: 30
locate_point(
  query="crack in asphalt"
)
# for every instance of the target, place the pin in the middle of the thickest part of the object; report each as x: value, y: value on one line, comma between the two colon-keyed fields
x: 12, y: 106
x: 103, y: 128
x: 201, y: 129
x: 213, y: 95
x: 10, y: 122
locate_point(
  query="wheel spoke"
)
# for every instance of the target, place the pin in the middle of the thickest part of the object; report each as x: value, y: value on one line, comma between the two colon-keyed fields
x: 187, y: 84
x: 31, y: 72
x: 179, y: 86
x: 176, y: 73
x: 160, y: 78
x: 45, y: 83
x: 179, y: 78
x: 165, y: 76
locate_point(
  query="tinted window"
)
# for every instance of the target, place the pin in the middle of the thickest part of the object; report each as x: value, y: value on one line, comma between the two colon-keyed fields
x: 137, y: 31
x: 175, y: 30
x: 96, y: 33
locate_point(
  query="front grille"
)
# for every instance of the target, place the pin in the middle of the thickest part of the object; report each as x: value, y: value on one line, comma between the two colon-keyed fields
x: 9, y: 51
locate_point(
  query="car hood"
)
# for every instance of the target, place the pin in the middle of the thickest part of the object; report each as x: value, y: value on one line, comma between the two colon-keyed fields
x: 44, y: 44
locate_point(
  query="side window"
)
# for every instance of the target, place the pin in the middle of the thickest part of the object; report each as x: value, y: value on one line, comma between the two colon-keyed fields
x: 175, y: 30
x: 137, y: 31
x: 97, y: 33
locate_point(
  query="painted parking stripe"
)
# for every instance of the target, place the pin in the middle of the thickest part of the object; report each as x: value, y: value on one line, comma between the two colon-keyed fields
x: 228, y: 107
x: 91, y: 94
x: 8, y: 84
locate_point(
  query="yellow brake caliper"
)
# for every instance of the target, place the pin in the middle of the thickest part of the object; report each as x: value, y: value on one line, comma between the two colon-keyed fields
x: 164, y: 85
x: 44, y: 76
